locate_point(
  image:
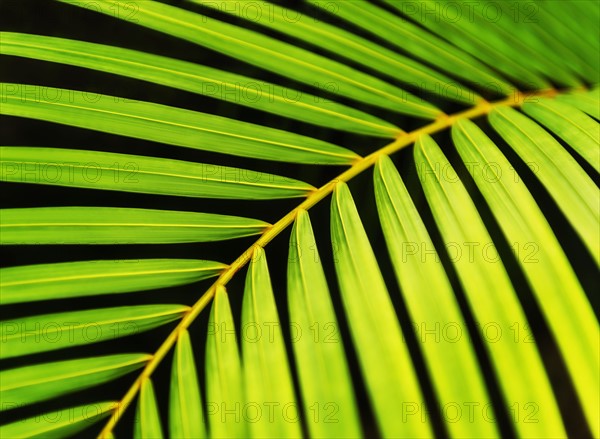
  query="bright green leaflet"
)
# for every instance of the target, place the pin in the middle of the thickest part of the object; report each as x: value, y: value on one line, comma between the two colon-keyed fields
x: 224, y: 379
x: 570, y: 316
x: 148, y: 419
x: 214, y: 83
x: 329, y: 404
x: 418, y: 42
x: 375, y: 328
x: 569, y: 185
x: 148, y: 175
x: 576, y: 128
x: 440, y: 328
x: 266, y: 370
x: 490, y: 294
x: 271, y: 54
x: 31, y: 384
x: 587, y: 102
x: 48, y: 332
x: 60, y: 423
x: 112, y: 225
x: 31, y: 283
x: 186, y: 418
x: 358, y: 49
x: 169, y: 125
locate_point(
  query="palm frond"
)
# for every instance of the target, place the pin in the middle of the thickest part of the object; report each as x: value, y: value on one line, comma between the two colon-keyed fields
x: 464, y: 275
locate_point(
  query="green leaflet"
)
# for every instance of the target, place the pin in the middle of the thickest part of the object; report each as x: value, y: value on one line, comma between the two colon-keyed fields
x: 418, y: 42
x: 576, y: 128
x: 274, y: 55
x: 186, y: 418
x: 149, y: 175
x: 570, y: 316
x: 383, y: 356
x: 351, y: 46
x: 60, y: 423
x: 214, y: 83
x: 112, y: 225
x: 32, y: 283
x: 148, y: 419
x: 169, y: 125
x: 586, y: 101
x: 224, y: 381
x: 31, y: 384
x: 440, y: 328
x: 267, y: 377
x: 489, y: 292
x: 567, y: 47
x: 474, y: 39
x: 48, y: 332
x: 523, y: 43
x: 327, y: 392
x: 569, y: 185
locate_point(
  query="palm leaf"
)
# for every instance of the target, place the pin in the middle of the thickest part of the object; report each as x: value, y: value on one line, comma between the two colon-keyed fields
x: 48, y: 332
x: 48, y: 380
x: 271, y: 54
x: 499, y: 308
x: 573, y: 190
x: 185, y: 407
x: 224, y: 385
x: 438, y: 320
x: 150, y: 175
x: 60, y: 423
x: 360, y: 50
x: 32, y: 283
x: 317, y: 344
x: 548, y: 270
x: 267, y: 376
x: 175, y: 126
x: 375, y: 328
x: 148, y: 424
x: 573, y: 126
x: 494, y: 329
x: 199, y: 79
x: 109, y: 225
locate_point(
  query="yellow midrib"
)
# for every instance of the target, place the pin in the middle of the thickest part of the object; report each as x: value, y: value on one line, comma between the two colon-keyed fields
x: 360, y: 165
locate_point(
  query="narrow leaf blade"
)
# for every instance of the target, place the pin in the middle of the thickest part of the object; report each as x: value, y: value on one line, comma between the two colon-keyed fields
x: 385, y: 362
x: 266, y: 370
x: 32, y: 384
x: 570, y: 316
x: 440, y: 327
x: 224, y: 380
x: 48, y: 332
x: 31, y: 283
x: 111, y: 225
x: 569, y: 185
x: 169, y: 125
x: 186, y: 418
x: 271, y: 54
x: 498, y: 312
x: 148, y: 175
x: 148, y: 422
x: 195, y: 78
x: 576, y: 128
x: 60, y: 423
x: 323, y: 372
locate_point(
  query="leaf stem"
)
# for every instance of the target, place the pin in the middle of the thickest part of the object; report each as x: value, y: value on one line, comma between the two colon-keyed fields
x: 403, y: 140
